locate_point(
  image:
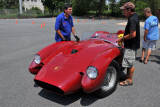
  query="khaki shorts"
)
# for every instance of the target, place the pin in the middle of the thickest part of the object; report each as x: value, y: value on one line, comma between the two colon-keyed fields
x: 150, y: 44
x: 129, y: 57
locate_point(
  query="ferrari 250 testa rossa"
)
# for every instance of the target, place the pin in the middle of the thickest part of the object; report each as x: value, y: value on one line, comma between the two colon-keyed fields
x: 90, y: 65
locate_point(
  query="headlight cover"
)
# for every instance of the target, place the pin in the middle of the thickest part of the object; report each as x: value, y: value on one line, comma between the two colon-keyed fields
x: 92, y: 72
x: 37, y: 59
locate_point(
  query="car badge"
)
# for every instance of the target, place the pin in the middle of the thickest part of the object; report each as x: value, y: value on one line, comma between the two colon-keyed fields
x: 56, y: 68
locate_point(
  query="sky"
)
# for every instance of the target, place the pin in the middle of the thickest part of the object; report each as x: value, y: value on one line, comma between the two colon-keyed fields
x: 107, y: 1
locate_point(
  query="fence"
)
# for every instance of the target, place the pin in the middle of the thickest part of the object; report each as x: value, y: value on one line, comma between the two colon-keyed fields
x: 14, y: 13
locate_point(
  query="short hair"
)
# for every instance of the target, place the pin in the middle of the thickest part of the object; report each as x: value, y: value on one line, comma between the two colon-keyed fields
x: 148, y: 10
x: 67, y: 6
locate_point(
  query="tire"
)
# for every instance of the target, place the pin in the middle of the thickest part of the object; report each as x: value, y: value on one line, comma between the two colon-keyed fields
x: 110, y: 81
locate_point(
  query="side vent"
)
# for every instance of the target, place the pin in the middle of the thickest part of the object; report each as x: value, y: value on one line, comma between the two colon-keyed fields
x: 74, y: 51
x: 82, y: 73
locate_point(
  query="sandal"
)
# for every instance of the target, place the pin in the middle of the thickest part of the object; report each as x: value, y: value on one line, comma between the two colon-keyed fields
x: 126, y: 83
x: 145, y: 62
x: 140, y: 60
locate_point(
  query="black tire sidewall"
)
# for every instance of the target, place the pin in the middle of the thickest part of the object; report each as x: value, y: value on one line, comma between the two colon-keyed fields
x: 103, y: 93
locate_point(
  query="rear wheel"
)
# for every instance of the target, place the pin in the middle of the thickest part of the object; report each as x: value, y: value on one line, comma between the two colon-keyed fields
x: 110, y: 81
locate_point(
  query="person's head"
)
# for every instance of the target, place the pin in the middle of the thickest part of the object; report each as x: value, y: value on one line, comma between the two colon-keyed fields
x: 147, y: 12
x: 68, y: 9
x: 128, y: 8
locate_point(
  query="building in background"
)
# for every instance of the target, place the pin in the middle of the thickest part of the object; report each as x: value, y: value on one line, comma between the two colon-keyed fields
x: 28, y: 4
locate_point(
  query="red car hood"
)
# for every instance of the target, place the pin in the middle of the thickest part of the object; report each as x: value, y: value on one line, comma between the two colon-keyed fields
x: 65, y: 70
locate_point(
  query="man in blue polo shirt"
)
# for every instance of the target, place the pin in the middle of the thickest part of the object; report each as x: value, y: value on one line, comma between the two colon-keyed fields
x: 64, y: 25
x: 151, y: 34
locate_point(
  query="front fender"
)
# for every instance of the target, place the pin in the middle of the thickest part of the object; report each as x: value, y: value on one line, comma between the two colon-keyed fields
x: 47, y: 53
x: 101, y: 62
x: 53, y: 49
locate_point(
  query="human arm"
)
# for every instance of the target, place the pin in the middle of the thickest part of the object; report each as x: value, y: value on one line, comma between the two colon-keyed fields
x: 58, y: 24
x: 145, y: 34
x: 146, y: 28
x: 60, y: 34
x: 129, y: 36
x: 73, y: 32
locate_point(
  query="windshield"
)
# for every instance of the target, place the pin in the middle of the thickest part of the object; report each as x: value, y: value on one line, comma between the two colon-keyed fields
x: 101, y: 35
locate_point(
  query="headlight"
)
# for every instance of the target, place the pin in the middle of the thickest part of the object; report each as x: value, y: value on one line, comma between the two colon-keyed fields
x: 92, y: 72
x: 37, y: 59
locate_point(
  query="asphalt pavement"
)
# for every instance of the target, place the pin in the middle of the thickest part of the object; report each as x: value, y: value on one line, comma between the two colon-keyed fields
x: 20, y: 39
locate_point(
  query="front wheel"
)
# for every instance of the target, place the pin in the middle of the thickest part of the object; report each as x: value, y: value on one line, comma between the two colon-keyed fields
x: 110, y: 81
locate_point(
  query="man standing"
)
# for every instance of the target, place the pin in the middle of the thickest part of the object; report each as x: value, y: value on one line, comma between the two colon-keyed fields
x: 131, y: 41
x: 64, y: 25
x: 151, y: 34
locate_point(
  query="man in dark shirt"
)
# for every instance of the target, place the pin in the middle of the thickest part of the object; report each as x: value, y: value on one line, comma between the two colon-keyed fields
x: 131, y: 41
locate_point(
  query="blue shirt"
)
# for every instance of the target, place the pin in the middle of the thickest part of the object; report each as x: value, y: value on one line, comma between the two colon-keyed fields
x: 64, y: 25
x: 151, y: 24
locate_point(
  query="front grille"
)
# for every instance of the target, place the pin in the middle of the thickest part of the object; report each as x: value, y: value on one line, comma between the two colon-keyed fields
x: 49, y: 87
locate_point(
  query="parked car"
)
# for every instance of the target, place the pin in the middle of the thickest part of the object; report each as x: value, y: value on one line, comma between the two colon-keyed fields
x: 90, y: 65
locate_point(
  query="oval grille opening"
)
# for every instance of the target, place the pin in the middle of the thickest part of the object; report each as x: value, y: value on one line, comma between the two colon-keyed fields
x: 49, y: 87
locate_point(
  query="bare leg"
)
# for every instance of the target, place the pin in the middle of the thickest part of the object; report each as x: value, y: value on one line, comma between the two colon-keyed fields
x: 143, y: 53
x: 148, y: 54
x: 129, y: 75
x: 130, y: 72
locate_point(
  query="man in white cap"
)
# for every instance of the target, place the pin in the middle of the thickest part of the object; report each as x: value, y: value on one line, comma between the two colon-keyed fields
x: 131, y: 41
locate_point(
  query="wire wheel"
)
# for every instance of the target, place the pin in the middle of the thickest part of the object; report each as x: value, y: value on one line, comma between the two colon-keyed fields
x: 110, y: 79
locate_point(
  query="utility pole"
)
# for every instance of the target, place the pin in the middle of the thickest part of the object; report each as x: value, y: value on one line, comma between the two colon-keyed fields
x: 20, y: 6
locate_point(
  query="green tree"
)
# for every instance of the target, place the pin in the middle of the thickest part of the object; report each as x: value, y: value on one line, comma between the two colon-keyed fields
x: 50, y: 4
x: 53, y: 5
x: 154, y: 5
x: 139, y: 5
x: 98, y: 6
x: 112, y: 6
x: 101, y: 5
x: 9, y: 4
x: 80, y: 7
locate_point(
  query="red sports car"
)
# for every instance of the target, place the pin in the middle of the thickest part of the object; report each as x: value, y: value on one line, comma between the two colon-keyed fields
x: 91, y: 65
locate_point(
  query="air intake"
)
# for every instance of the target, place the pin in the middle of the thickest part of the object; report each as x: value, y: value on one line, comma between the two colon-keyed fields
x: 74, y: 51
x: 49, y: 87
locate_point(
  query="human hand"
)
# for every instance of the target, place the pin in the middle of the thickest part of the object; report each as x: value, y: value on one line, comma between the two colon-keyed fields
x: 119, y: 41
x: 64, y: 39
x: 77, y: 38
x: 145, y: 39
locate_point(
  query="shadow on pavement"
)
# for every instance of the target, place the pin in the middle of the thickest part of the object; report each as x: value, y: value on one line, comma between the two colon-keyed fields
x: 85, y: 99
x: 157, y: 60
x: 137, y: 58
x: 152, y: 58
x: 35, y: 85
x: 122, y: 74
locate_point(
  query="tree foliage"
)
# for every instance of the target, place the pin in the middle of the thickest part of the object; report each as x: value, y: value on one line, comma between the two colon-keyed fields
x: 55, y: 5
x: 9, y: 4
x: 50, y: 4
x: 80, y: 7
x: 100, y: 6
x: 154, y: 5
